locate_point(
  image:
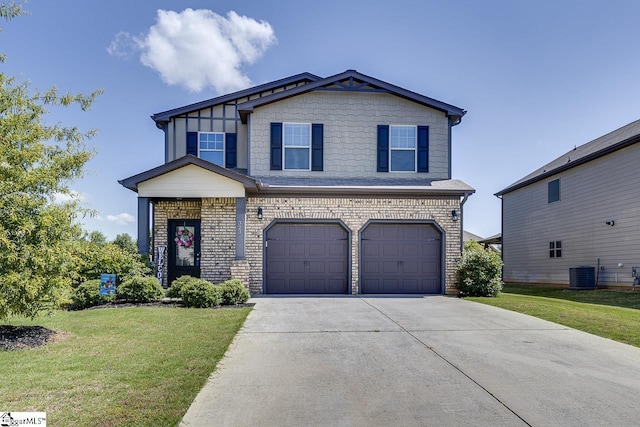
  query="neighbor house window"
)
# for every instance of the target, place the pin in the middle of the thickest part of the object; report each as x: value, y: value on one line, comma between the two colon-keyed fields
x: 211, y: 147
x: 555, y: 249
x: 554, y: 190
x: 402, y: 148
x: 297, y: 146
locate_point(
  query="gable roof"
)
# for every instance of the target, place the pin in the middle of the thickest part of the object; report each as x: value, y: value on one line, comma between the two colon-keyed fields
x: 165, y: 116
x: 606, y: 144
x: 353, y: 81
x: 132, y: 182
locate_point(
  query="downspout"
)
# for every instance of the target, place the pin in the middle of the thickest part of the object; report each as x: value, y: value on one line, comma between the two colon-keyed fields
x: 499, y: 196
x: 462, y: 202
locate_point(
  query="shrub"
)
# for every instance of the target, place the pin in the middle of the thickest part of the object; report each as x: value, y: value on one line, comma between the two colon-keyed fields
x: 175, y: 290
x: 87, y: 295
x: 140, y: 289
x: 200, y: 293
x: 233, y: 292
x: 479, y: 272
x: 91, y: 259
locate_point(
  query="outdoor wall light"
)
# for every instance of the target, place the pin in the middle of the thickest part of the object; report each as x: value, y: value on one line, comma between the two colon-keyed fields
x: 259, y: 213
x: 454, y: 215
x: 610, y: 222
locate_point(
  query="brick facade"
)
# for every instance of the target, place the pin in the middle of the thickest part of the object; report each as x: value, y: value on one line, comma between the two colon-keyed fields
x: 218, y: 224
x: 354, y: 212
x: 217, y: 233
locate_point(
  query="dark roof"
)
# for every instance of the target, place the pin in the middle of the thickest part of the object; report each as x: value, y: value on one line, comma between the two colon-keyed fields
x: 363, y: 186
x: 165, y: 116
x: 356, y: 82
x: 606, y: 144
x: 310, y: 185
x: 132, y: 182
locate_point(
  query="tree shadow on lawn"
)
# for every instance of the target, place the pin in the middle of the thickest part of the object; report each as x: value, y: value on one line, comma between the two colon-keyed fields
x: 610, y: 297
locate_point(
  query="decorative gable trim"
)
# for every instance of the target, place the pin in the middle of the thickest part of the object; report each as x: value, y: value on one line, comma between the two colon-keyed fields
x: 352, y: 80
x: 165, y: 116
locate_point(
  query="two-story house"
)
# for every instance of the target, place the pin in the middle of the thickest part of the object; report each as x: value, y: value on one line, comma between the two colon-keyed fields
x: 578, y: 210
x: 307, y: 185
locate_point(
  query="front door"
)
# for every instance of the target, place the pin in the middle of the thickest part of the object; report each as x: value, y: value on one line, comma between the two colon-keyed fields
x: 184, y: 249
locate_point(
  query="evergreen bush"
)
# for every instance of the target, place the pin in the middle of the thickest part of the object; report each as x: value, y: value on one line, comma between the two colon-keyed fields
x: 87, y: 294
x: 199, y: 293
x: 479, y: 271
x: 140, y: 289
x: 234, y: 292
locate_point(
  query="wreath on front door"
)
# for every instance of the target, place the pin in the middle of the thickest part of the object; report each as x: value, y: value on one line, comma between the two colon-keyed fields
x: 184, y: 237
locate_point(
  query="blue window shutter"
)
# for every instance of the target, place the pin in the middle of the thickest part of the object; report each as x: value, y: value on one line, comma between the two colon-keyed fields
x: 383, y: 148
x: 317, y: 142
x: 276, y: 146
x: 423, y: 148
x: 230, y: 150
x: 192, y: 143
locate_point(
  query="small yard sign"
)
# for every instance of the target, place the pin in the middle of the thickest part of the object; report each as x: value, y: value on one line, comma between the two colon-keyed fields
x: 107, y: 284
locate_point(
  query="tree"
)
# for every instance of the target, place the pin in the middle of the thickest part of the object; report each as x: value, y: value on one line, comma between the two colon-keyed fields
x: 125, y: 242
x: 38, y: 162
x: 97, y: 237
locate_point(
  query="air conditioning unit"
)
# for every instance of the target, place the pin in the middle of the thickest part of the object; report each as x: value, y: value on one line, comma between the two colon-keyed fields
x: 583, y: 277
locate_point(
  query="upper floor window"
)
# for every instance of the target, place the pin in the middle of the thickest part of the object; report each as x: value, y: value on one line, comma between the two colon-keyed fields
x: 297, y: 146
x: 402, y: 148
x: 211, y: 147
x: 554, y: 190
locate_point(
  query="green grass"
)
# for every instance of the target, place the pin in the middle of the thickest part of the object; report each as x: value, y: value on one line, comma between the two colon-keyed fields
x: 139, y: 366
x: 607, y: 313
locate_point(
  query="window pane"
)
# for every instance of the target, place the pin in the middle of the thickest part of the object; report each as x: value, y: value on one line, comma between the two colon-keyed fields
x: 296, y: 158
x: 403, y: 160
x: 558, y: 244
x: 297, y: 135
x: 554, y: 190
x: 184, y: 239
x: 215, y: 157
x: 403, y: 137
x: 552, y: 254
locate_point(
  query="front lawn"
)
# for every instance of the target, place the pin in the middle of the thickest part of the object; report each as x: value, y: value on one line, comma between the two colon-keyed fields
x: 138, y: 366
x: 607, y: 313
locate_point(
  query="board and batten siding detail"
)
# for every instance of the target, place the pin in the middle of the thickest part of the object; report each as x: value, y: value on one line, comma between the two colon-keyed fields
x: 350, y: 132
x: 591, y: 194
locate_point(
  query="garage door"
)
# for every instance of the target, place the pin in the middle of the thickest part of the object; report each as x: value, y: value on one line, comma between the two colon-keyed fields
x: 307, y: 258
x: 401, y: 259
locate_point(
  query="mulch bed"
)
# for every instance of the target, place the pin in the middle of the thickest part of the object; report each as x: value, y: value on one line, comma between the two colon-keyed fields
x: 17, y: 337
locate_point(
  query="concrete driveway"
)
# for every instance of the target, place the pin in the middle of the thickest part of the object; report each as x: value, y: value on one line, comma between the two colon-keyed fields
x: 415, y: 361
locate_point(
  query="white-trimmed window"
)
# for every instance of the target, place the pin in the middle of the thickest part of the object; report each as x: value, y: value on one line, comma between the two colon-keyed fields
x: 211, y: 147
x: 296, y: 139
x: 402, y: 148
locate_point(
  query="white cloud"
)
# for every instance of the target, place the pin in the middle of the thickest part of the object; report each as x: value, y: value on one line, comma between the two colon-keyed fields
x: 198, y: 49
x: 121, y: 219
x: 124, y: 45
x: 73, y: 195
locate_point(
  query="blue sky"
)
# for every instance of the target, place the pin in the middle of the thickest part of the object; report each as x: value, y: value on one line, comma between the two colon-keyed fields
x: 537, y: 78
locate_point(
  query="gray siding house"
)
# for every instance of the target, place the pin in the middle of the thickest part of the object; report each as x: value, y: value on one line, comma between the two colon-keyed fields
x: 307, y: 185
x: 581, y: 209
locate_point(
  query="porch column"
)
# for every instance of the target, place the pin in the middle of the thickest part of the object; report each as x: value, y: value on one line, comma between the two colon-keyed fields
x: 241, y: 211
x: 143, y: 225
